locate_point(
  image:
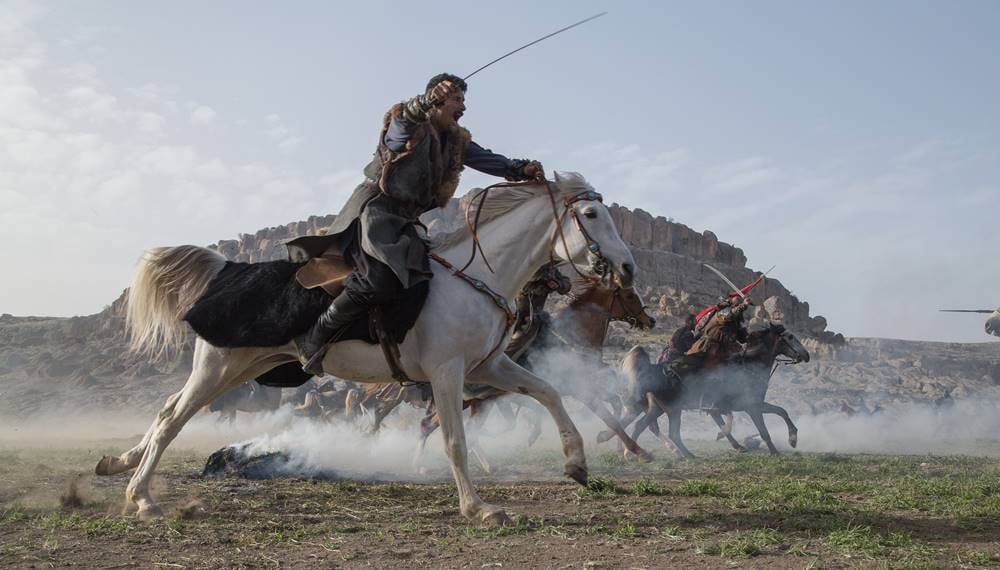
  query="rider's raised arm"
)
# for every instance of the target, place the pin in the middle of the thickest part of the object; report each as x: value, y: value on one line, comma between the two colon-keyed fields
x: 402, y: 126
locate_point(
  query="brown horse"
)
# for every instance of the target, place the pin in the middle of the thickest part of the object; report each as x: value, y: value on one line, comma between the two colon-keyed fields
x: 580, y: 328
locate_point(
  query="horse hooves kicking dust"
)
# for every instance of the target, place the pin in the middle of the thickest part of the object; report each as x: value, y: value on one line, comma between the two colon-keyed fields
x: 577, y: 474
x: 497, y: 519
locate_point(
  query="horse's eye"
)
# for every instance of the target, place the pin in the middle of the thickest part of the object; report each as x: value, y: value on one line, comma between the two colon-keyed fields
x: 590, y: 214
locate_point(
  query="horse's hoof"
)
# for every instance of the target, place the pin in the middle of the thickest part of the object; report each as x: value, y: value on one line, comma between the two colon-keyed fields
x: 793, y: 439
x: 150, y: 513
x: 108, y: 465
x: 604, y: 436
x: 103, y: 466
x: 497, y: 519
x: 577, y: 473
x: 645, y: 456
x: 741, y: 449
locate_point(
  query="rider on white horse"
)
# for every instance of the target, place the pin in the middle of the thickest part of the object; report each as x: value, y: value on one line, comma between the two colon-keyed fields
x: 421, y: 153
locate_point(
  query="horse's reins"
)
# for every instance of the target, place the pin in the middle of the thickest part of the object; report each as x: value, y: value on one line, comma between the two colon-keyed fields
x: 779, y: 359
x: 600, y: 263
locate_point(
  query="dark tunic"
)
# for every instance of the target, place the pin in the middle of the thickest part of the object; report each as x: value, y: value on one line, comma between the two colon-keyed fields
x: 679, y: 344
x: 414, y: 171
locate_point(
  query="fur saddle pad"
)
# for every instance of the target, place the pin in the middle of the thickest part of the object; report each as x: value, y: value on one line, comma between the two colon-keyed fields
x: 263, y: 304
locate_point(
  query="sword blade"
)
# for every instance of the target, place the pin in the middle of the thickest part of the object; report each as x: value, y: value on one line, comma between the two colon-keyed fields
x: 726, y: 279
x: 559, y: 31
x: 983, y: 311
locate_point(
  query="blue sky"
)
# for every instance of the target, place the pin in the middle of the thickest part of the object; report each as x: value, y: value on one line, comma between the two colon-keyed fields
x: 852, y: 144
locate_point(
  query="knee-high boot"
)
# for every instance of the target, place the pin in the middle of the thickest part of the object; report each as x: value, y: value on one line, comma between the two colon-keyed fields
x: 331, y: 325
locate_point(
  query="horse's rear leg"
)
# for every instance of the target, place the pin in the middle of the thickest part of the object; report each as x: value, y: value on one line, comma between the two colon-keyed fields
x: 504, y: 374
x: 793, y: 432
x: 758, y: 420
x: 726, y: 430
x: 113, y: 465
x: 207, y: 381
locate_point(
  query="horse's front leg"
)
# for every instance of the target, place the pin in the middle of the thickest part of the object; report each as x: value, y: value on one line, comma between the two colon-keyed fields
x: 793, y: 432
x: 504, y: 374
x: 478, y: 413
x: 597, y: 406
x: 446, y: 382
x: 757, y: 415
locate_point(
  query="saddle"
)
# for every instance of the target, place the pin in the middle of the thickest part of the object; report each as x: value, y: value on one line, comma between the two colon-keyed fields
x: 328, y: 272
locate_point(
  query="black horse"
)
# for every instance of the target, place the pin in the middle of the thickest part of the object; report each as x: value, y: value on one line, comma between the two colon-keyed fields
x: 739, y: 385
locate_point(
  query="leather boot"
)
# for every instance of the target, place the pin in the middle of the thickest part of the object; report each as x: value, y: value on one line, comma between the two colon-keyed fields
x: 330, y: 326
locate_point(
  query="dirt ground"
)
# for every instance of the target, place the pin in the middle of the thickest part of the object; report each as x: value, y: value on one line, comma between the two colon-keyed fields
x: 723, y: 510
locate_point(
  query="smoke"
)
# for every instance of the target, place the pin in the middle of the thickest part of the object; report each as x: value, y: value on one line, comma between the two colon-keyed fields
x: 968, y: 427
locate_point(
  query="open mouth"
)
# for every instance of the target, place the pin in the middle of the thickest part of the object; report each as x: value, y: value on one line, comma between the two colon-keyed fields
x: 458, y: 115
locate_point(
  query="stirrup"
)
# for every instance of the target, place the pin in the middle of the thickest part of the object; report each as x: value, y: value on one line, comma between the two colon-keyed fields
x: 317, y: 359
x: 314, y: 360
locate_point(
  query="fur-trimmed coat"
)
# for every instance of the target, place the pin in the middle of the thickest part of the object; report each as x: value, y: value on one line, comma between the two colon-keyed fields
x: 400, y: 186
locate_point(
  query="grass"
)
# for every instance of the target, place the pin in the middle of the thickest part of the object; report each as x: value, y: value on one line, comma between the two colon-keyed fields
x: 599, y: 487
x: 700, y: 488
x: 744, y: 544
x: 648, y: 488
x: 862, y: 541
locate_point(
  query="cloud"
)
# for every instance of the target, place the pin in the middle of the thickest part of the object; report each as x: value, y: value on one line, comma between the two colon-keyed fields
x: 88, y: 169
x: 202, y: 115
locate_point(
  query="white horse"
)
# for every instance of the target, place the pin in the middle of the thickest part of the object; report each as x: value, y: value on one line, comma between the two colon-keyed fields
x: 459, y: 337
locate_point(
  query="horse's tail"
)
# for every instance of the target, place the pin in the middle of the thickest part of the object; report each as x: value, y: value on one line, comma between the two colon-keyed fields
x: 167, y: 282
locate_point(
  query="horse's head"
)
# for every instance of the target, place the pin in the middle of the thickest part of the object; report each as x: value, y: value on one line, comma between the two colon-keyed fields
x: 778, y: 341
x: 789, y: 345
x: 993, y: 323
x: 587, y: 236
x: 627, y: 306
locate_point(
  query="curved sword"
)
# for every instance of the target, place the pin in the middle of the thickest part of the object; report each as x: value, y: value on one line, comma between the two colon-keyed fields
x: 728, y: 282
x: 559, y: 31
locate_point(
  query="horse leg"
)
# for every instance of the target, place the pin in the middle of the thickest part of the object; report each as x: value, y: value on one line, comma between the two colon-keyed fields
x: 674, y: 430
x: 793, y: 432
x: 112, y: 465
x: 535, y: 419
x: 757, y: 416
x: 428, y: 425
x: 382, y: 409
x: 630, y: 414
x: 478, y: 411
x: 504, y: 374
x: 212, y: 373
x: 727, y: 430
x: 631, y: 446
x: 446, y: 384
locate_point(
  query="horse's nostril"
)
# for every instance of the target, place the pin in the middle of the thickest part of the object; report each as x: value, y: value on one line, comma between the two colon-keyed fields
x: 628, y: 270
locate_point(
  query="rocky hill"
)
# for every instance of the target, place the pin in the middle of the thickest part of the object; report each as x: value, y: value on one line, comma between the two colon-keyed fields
x: 63, y: 365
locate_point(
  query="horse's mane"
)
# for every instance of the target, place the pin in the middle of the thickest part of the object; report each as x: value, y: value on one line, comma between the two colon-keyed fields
x: 500, y: 201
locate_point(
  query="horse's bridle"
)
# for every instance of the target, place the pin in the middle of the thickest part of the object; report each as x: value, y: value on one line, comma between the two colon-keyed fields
x: 599, y: 264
